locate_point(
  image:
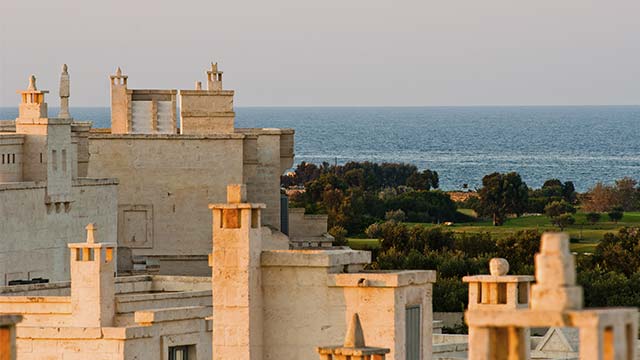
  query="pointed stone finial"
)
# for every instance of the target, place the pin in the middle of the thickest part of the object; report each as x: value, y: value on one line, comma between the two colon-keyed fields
x: 91, y: 229
x: 198, y: 85
x: 214, y: 67
x: 355, y: 336
x: 32, y: 83
x: 118, y: 71
x: 64, y: 69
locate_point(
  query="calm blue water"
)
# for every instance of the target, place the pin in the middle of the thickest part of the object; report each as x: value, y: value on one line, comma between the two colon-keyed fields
x: 582, y: 144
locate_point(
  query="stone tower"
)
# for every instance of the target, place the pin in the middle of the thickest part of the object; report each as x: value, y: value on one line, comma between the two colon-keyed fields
x: 236, y: 277
x: 48, y: 153
x: 119, y: 103
x: 93, y: 281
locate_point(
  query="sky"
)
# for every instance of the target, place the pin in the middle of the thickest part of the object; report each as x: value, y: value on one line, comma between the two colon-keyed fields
x: 331, y: 52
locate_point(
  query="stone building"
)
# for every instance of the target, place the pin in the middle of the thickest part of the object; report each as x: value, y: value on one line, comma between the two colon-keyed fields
x: 169, y: 168
x: 262, y: 301
x: 45, y: 195
x: 100, y: 316
x: 283, y: 304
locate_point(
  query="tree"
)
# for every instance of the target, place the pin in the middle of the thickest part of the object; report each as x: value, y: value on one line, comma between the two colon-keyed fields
x: 627, y: 193
x: 560, y: 213
x: 556, y: 208
x: 593, y: 217
x: 563, y: 221
x: 339, y: 234
x: 616, y: 214
x: 502, y: 194
x: 425, y: 180
x: 600, y: 198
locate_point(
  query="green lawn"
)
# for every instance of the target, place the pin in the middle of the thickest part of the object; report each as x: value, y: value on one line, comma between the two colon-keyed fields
x: 587, y: 235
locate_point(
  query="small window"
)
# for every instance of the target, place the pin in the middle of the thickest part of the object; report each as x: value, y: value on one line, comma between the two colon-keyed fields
x: 183, y: 352
x: 3, y: 158
x: 54, y: 161
x: 64, y: 161
x: 13, y: 158
x: 40, y: 158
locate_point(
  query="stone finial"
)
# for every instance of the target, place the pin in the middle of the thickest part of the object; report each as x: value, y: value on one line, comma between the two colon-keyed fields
x: 214, y: 67
x: 555, y: 270
x: 91, y: 229
x: 64, y: 93
x: 354, y: 337
x: 198, y: 85
x: 498, y: 267
x: 32, y: 83
x: 118, y: 71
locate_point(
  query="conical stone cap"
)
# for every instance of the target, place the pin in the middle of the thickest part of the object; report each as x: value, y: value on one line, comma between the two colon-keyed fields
x: 355, y: 336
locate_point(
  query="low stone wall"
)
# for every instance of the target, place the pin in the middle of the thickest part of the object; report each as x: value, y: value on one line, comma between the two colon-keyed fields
x: 449, y: 319
x: 303, y: 225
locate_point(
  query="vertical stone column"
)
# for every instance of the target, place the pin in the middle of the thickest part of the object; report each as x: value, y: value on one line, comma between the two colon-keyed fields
x: 92, y: 282
x: 64, y: 93
x: 120, y: 115
x: 236, y: 278
x: 555, y: 287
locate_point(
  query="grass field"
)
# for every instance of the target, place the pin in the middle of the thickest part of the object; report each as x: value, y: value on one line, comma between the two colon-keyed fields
x: 587, y: 235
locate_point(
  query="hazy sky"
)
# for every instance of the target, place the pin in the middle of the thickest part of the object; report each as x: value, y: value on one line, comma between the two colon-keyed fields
x: 331, y: 52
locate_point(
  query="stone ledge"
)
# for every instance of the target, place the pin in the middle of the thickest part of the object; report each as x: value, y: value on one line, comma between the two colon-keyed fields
x: 97, y: 135
x: 533, y: 318
x: 153, y: 91
x: 148, y: 317
x: 265, y: 131
x: 499, y: 279
x: 161, y: 296
x: 382, y: 279
x: 315, y: 258
x: 15, y: 289
x: 94, y: 182
x: 238, y: 206
x: 207, y: 92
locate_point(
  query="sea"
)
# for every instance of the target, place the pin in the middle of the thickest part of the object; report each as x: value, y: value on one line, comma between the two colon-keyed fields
x: 583, y: 144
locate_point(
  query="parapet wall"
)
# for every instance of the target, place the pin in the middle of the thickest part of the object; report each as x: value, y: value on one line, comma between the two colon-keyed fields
x: 303, y: 225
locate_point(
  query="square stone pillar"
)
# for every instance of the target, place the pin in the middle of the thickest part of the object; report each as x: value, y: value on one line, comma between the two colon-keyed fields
x: 236, y: 278
x: 92, y: 282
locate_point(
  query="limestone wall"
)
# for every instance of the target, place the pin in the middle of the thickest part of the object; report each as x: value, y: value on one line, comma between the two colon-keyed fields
x: 206, y: 111
x: 35, y: 238
x: 303, y: 225
x: 11, y: 157
x: 166, y: 184
x: 162, y: 329
x: 308, y: 300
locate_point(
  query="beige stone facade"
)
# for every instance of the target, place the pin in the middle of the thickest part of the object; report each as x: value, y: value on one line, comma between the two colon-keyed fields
x: 99, y: 316
x: 45, y: 195
x: 284, y: 303
x: 168, y: 177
